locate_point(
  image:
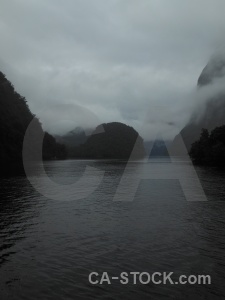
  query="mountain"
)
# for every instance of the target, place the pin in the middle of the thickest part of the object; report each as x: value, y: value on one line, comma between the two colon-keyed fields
x: 15, y: 117
x: 214, y: 110
x: 157, y: 148
x: 111, y: 140
x: 74, y: 137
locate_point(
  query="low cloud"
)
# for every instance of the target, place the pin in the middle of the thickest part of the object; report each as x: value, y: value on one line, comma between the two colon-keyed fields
x: 128, y: 61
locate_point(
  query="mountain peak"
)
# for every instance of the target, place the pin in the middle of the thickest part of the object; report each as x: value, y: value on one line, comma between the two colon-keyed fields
x: 213, y: 70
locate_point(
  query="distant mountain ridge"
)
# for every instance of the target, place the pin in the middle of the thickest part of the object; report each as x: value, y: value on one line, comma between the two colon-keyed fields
x: 158, y: 147
x: 111, y: 140
x: 74, y: 137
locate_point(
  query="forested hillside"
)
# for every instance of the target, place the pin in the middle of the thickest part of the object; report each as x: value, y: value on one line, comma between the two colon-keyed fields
x: 15, y: 116
x: 210, y: 148
x: 116, y: 141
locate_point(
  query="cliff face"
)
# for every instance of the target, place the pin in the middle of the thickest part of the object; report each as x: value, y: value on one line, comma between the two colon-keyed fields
x: 214, y: 109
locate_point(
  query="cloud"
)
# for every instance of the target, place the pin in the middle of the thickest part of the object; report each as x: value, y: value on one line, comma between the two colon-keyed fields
x: 118, y: 59
x: 209, y: 97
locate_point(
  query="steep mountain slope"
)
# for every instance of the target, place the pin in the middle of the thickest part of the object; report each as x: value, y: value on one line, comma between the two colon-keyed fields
x: 15, y: 116
x: 214, y: 108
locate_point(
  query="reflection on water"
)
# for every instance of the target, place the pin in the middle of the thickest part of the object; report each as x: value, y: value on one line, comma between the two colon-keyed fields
x: 48, y: 248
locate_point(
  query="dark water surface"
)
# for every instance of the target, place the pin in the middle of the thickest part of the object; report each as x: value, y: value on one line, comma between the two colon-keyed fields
x: 48, y: 247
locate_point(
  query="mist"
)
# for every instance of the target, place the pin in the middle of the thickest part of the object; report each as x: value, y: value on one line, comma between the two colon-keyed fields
x: 83, y: 63
x: 211, y: 92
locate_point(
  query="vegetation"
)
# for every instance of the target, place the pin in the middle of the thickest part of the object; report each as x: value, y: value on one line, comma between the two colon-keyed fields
x: 111, y: 140
x: 210, y: 148
x: 52, y: 149
x: 15, y: 117
x: 116, y: 140
x: 73, y: 139
x: 213, y: 110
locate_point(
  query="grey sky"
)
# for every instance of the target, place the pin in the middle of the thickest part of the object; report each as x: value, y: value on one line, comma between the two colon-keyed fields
x: 117, y: 59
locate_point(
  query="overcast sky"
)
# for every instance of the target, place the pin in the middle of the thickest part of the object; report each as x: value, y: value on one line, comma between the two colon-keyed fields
x: 84, y: 62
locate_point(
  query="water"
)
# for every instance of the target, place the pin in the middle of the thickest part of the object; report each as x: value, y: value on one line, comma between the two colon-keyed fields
x: 48, y: 247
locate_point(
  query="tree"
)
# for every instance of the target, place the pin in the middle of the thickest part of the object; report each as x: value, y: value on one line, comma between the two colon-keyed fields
x: 210, y: 148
